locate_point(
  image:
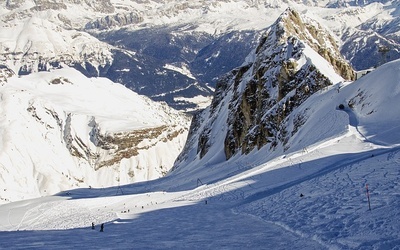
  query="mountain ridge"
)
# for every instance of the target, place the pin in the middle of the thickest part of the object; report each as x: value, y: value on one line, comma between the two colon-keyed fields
x: 253, y: 104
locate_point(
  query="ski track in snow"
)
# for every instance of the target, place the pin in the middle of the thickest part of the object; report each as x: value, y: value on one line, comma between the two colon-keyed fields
x: 190, y: 226
x: 245, y: 211
x: 341, y: 220
x: 332, y: 222
x: 184, y: 221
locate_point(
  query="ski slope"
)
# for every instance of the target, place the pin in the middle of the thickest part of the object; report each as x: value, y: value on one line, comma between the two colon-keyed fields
x: 251, y: 211
x: 252, y: 201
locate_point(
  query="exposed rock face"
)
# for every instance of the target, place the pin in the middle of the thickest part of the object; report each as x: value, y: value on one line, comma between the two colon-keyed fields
x: 277, y: 83
x: 294, y: 59
x: 118, y: 20
x: 4, y: 74
x: 98, y: 148
x: 124, y: 145
x: 291, y: 24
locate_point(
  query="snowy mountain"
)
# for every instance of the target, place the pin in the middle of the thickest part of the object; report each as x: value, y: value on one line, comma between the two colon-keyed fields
x: 313, y: 196
x: 174, y: 51
x: 290, y: 154
x: 62, y: 130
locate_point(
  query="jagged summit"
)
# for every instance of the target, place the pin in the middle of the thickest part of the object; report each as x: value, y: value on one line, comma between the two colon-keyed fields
x: 254, y: 105
x: 292, y: 24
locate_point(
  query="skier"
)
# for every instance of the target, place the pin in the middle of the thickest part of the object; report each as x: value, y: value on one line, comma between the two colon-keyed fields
x: 102, y: 227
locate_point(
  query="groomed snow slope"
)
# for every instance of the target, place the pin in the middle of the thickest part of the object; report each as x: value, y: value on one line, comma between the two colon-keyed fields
x: 250, y: 202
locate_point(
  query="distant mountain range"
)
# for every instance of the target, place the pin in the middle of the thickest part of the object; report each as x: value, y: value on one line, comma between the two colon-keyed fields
x: 173, y: 51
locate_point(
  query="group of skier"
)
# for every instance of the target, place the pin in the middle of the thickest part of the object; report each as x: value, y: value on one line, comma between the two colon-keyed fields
x: 101, y: 227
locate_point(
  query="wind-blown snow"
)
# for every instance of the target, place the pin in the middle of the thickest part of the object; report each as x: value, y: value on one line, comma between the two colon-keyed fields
x: 324, y: 66
x: 250, y: 201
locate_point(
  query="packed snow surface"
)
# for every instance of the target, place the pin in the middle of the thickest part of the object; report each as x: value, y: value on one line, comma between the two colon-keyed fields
x: 313, y: 197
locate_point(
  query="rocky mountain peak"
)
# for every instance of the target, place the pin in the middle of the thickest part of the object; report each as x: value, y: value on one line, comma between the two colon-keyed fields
x: 295, y: 58
x: 293, y: 25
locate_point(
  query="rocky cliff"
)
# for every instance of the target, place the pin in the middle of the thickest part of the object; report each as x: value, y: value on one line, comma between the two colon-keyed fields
x: 278, y: 81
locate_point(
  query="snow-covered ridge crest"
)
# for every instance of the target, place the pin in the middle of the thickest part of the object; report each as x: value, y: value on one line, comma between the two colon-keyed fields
x: 61, y: 130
